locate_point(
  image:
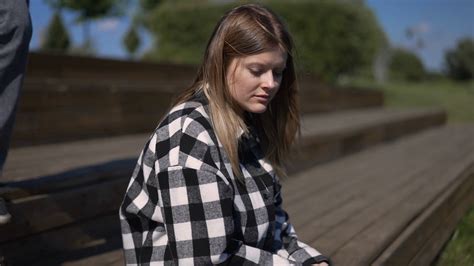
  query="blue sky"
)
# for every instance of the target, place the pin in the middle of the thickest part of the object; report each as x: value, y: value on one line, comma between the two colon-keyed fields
x: 439, y: 23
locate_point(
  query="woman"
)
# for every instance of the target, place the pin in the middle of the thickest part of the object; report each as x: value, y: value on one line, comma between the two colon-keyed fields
x: 206, y: 189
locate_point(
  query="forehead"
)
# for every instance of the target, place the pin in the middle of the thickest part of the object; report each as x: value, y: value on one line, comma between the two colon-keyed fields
x: 274, y: 58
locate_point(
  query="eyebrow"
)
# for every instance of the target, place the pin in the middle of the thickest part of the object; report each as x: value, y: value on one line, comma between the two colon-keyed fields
x: 258, y: 64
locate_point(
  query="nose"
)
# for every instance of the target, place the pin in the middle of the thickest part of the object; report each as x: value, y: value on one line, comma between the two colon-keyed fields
x: 269, y: 81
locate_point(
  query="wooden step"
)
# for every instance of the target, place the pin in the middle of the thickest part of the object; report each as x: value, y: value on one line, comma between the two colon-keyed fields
x: 324, y: 137
x: 394, y: 204
x: 331, y: 135
x: 105, y: 97
x: 51, y: 110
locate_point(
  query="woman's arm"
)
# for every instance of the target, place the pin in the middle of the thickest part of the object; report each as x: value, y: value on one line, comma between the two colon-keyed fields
x: 198, y: 213
x: 287, y: 240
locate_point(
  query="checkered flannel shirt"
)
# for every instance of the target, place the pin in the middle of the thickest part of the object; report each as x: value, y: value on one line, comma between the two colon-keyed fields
x: 183, y: 204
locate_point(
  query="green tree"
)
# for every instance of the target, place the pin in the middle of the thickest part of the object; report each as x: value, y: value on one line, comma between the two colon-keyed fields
x: 141, y: 18
x: 88, y: 10
x: 460, y: 61
x: 131, y: 40
x: 405, y: 65
x: 333, y: 38
x: 56, y: 38
x: 149, y: 4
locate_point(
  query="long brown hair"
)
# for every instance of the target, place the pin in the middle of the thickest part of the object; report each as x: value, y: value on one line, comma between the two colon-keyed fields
x: 248, y: 30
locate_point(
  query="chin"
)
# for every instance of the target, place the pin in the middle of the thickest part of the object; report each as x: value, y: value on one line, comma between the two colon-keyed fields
x: 257, y: 109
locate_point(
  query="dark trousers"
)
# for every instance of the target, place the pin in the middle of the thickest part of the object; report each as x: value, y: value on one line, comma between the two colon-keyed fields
x: 15, y: 36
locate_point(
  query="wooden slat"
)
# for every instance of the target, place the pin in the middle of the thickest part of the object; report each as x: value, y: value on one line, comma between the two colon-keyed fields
x: 346, y: 132
x: 74, y: 241
x: 333, y: 176
x: 111, y: 258
x: 421, y: 241
x: 391, y: 217
x: 323, y: 213
x: 40, y: 213
x: 436, y: 240
x: 37, y: 161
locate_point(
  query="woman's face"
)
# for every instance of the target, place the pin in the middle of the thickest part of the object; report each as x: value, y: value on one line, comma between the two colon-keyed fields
x: 255, y: 79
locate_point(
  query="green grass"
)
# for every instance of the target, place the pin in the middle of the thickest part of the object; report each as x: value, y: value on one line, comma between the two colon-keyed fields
x: 460, y: 249
x: 457, y: 98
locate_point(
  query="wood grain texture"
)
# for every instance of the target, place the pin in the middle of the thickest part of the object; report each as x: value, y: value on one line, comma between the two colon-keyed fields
x: 359, y: 204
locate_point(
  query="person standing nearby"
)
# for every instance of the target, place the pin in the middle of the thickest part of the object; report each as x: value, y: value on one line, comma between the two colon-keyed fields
x: 15, y: 36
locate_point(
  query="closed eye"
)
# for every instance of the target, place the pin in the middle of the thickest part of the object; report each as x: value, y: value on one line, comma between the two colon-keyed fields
x: 256, y: 72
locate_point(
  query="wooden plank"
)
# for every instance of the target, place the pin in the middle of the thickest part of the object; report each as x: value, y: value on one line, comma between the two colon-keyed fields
x: 395, y: 214
x: 313, y: 206
x: 74, y: 241
x: 389, y: 218
x: 38, y: 161
x: 329, y: 136
x: 63, y: 181
x: 344, y: 122
x: 46, y: 212
x: 333, y: 179
x: 429, y: 231
x: 67, y: 66
x: 111, y: 258
x: 97, y: 111
x: 460, y: 203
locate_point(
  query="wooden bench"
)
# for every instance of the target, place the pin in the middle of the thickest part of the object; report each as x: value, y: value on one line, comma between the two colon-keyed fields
x: 64, y: 197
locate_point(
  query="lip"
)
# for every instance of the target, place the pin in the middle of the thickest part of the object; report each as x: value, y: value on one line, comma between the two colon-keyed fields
x: 263, y: 98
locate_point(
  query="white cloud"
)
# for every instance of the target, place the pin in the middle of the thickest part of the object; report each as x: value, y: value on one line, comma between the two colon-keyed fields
x: 108, y: 24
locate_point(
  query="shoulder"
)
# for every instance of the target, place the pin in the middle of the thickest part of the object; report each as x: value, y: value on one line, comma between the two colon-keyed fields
x: 191, y: 117
x: 185, y: 137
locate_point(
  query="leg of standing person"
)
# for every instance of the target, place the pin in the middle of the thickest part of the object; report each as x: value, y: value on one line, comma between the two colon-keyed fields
x: 15, y: 36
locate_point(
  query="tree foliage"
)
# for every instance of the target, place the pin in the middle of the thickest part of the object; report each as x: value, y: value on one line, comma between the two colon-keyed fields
x: 460, y: 61
x: 88, y: 10
x: 131, y: 40
x: 56, y: 38
x: 93, y: 9
x: 332, y: 37
x: 149, y: 4
x: 405, y: 65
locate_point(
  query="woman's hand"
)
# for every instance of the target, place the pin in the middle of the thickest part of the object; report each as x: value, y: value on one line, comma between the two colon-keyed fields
x: 321, y: 264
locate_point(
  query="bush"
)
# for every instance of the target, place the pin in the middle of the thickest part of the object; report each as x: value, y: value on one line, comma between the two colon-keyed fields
x: 332, y: 38
x: 460, y: 61
x: 405, y: 65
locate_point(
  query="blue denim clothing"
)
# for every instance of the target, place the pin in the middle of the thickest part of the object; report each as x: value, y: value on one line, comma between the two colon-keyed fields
x: 15, y: 36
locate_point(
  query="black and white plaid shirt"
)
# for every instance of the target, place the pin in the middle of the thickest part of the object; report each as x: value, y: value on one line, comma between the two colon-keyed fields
x: 183, y: 204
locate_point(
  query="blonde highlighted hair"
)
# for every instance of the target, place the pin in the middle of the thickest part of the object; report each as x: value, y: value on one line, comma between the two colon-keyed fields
x: 248, y: 30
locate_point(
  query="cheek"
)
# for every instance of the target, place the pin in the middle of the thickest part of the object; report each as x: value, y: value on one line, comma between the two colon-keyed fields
x: 244, y: 85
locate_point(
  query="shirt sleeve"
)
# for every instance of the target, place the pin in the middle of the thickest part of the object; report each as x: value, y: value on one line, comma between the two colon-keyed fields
x: 286, y: 239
